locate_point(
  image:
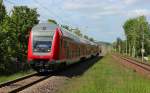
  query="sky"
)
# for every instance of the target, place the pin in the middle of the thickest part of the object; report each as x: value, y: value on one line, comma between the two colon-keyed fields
x: 99, y: 19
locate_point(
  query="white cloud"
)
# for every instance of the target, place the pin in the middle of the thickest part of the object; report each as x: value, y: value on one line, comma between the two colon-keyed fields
x: 80, y: 5
x: 135, y: 2
x: 138, y: 12
x: 105, y: 13
x: 92, y: 8
x: 97, y: 14
x: 129, y: 2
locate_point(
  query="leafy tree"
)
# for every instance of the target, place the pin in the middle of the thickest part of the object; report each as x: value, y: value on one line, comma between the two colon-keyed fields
x: 52, y: 21
x: 119, y: 41
x: 135, y: 29
x: 14, y: 32
x: 67, y: 27
x: 3, y: 37
x: 2, y: 11
x: 23, y: 19
x: 78, y: 32
x: 86, y: 37
x: 91, y: 39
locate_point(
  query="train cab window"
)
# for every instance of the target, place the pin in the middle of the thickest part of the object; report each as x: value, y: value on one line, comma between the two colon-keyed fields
x: 41, y: 44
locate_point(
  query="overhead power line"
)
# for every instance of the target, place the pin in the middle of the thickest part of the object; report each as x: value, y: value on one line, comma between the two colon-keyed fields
x: 10, y: 2
x: 49, y: 11
x: 44, y: 14
x: 45, y: 8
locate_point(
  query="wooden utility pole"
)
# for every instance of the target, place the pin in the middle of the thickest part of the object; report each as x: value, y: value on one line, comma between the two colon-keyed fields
x: 142, y: 50
x: 126, y: 47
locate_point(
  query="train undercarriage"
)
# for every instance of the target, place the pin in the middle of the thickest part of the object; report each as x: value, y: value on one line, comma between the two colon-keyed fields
x: 46, y: 66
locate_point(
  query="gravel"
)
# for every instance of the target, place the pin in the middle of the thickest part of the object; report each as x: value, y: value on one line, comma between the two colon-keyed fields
x: 55, y: 82
x: 50, y: 85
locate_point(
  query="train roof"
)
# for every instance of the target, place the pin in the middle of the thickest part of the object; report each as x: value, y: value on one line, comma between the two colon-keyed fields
x: 65, y: 32
x: 76, y: 38
x: 45, y: 26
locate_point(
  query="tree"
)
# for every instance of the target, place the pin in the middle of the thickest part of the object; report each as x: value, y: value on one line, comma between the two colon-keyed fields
x: 2, y: 11
x: 119, y: 41
x: 86, y: 37
x: 22, y: 19
x: 14, y: 31
x: 3, y: 38
x: 91, y: 39
x: 135, y: 29
x: 52, y: 21
x: 67, y: 27
x: 78, y: 32
x: 130, y: 32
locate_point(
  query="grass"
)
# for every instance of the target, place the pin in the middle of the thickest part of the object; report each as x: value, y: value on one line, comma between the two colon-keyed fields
x: 107, y: 76
x: 14, y: 76
x: 149, y: 58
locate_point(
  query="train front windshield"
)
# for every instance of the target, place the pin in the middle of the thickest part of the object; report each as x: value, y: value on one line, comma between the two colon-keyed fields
x: 41, y: 44
x: 42, y: 37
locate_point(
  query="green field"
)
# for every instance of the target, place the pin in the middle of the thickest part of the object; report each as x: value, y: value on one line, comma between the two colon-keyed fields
x: 107, y: 76
x: 14, y: 76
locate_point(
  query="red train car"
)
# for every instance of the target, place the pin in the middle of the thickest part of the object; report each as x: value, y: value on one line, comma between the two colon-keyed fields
x: 51, y: 46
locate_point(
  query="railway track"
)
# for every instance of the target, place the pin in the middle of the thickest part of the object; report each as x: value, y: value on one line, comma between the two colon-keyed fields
x: 25, y: 82
x: 21, y: 83
x: 138, y: 63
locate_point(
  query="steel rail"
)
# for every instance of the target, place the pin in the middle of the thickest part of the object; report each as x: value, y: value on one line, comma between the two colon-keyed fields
x: 14, y: 89
x: 16, y: 80
x: 135, y: 62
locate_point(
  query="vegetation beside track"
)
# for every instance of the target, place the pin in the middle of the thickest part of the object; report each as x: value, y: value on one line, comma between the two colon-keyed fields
x: 14, y: 32
x: 108, y: 76
x: 137, y: 33
x: 14, y: 76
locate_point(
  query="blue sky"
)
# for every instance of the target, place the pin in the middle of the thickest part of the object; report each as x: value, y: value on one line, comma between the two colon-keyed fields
x: 99, y: 19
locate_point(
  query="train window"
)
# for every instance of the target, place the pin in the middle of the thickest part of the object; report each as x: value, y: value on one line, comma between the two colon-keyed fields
x: 65, y: 44
x: 76, y: 52
x: 70, y: 55
x: 67, y: 52
x: 70, y: 52
x: 61, y: 43
x: 67, y: 49
x: 79, y: 52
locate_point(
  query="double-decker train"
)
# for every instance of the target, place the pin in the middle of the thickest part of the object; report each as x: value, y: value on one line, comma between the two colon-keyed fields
x: 51, y: 46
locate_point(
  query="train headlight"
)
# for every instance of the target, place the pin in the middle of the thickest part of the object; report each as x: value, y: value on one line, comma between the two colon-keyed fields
x: 35, y: 50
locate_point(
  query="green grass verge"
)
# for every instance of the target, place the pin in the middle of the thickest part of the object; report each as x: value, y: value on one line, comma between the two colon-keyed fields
x: 14, y: 76
x: 107, y: 76
x: 149, y: 58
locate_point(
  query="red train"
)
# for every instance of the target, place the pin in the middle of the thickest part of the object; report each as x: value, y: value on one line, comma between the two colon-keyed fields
x: 51, y: 46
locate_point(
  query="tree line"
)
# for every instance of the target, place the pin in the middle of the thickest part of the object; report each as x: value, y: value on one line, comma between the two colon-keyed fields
x: 137, y: 42
x: 14, y: 32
